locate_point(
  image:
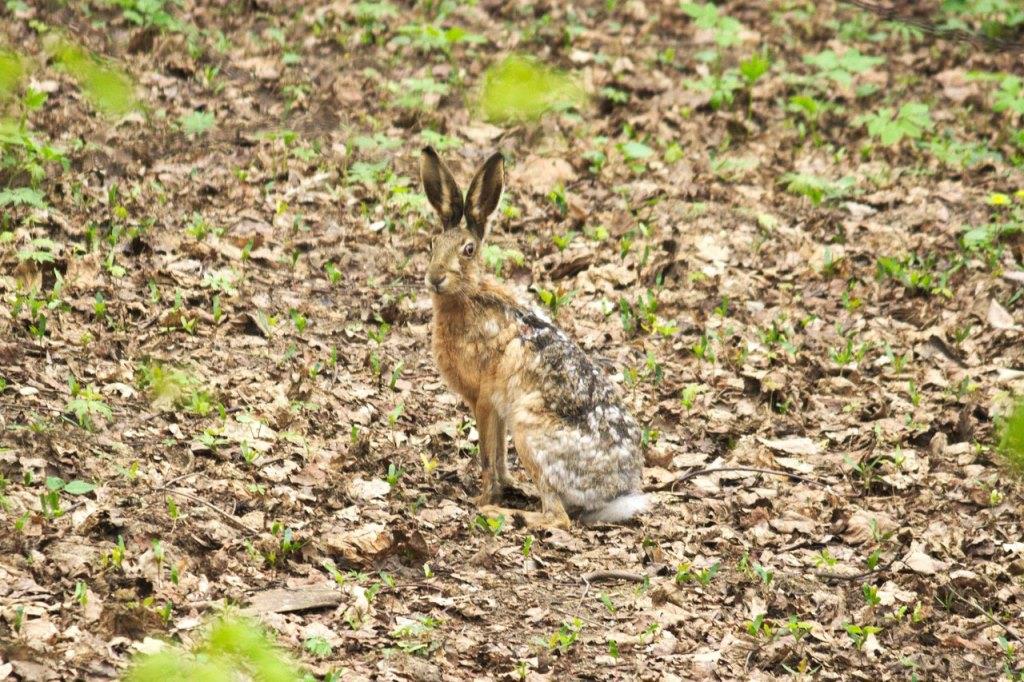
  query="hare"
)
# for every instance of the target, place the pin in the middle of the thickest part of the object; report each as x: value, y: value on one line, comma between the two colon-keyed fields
x: 517, y: 371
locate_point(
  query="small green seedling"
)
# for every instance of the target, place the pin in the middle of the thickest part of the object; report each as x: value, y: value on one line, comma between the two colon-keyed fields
x: 492, y: 525
x: 860, y: 633
x: 566, y: 636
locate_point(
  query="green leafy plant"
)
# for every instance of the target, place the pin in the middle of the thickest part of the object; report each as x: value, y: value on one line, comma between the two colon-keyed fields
x: 870, y: 593
x: 726, y: 30
x: 22, y: 196
x: 817, y: 188
x: 642, y: 316
x: 24, y: 157
x: 50, y: 500
x: 722, y: 87
x: 416, y: 637
x: 527, y: 547
x: 919, y: 274
x: 958, y: 154
x: 149, y: 14
x: 1009, y: 96
x: 233, y: 648
x: 753, y: 67
x: 554, y: 299
x: 810, y: 111
x: 911, y: 122
x: 492, y: 525
x: 318, y: 646
x: 87, y: 404
x: 688, y: 396
x: 760, y: 627
x: 430, y: 37
x: 636, y: 154
x: 12, y: 71
x: 171, y: 388
x: 1011, y: 437
x: 566, y: 636
x: 197, y: 123
x: 841, y: 68
x: 860, y: 633
x: 686, y: 573
x: 702, y: 347
x: 497, y: 258
x: 394, y: 474
x: 798, y: 628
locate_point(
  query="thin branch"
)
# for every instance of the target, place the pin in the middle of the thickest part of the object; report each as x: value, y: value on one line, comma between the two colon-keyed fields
x: 174, y: 480
x: 892, y: 13
x: 977, y: 607
x: 609, y: 576
x: 228, y: 517
x: 713, y: 470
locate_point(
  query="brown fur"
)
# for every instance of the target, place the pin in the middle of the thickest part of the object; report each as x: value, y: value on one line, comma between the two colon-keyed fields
x: 516, y: 370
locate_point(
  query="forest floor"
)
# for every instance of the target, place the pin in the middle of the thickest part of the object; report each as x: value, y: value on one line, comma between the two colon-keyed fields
x: 214, y: 340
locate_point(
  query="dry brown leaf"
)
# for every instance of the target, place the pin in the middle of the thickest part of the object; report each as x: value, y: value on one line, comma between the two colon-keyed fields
x: 540, y: 175
x: 362, y: 546
x: 793, y: 522
x: 999, y: 318
x: 362, y: 489
x: 921, y: 562
x: 862, y: 526
x: 792, y: 445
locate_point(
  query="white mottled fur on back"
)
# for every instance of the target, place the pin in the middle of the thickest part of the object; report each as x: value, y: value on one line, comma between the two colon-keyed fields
x: 619, y: 509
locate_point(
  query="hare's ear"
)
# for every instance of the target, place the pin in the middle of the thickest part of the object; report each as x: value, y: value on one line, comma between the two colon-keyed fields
x: 442, y: 191
x: 484, y: 193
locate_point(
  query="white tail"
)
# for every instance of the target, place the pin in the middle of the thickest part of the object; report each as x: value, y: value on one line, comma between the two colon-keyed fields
x: 619, y: 509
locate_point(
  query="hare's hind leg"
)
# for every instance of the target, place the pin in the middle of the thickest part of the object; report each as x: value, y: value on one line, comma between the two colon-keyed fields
x: 552, y: 509
x: 552, y: 514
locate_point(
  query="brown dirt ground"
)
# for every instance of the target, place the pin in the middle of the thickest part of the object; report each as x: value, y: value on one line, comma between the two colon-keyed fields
x: 716, y: 224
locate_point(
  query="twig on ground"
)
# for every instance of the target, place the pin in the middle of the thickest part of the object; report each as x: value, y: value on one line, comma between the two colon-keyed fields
x: 599, y: 576
x: 176, y: 479
x: 230, y: 519
x: 716, y: 470
x: 977, y: 607
x: 893, y: 13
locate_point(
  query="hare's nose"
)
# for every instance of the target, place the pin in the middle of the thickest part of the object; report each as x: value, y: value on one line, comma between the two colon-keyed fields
x: 437, y: 280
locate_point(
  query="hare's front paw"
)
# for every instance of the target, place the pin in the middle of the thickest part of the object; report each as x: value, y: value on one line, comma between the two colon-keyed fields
x: 489, y: 496
x: 505, y: 480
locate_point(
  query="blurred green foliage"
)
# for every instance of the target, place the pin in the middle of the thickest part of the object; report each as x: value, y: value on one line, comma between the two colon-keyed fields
x: 11, y: 72
x: 519, y: 88
x: 108, y: 89
x: 1011, y: 442
x: 234, y: 649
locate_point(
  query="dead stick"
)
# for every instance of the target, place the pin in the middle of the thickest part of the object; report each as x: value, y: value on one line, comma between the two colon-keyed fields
x: 174, y: 480
x: 598, y: 576
x: 775, y: 472
x: 230, y: 519
x: 977, y: 607
x: 892, y: 13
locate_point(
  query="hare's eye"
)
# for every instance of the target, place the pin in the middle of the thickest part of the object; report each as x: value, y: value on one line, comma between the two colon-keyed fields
x: 469, y: 249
